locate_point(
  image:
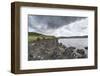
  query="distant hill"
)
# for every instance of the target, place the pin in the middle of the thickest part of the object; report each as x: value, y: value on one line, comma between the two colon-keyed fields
x: 38, y: 34
x: 34, y: 33
x: 85, y: 36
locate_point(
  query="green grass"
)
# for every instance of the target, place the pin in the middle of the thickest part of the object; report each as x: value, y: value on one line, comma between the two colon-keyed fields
x: 32, y: 36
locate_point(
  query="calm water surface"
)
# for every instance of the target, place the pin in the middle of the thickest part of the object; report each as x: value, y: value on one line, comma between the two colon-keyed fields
x: 75, y: 42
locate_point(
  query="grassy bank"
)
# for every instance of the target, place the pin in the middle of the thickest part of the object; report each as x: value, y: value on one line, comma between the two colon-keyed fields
x: 32, y: 36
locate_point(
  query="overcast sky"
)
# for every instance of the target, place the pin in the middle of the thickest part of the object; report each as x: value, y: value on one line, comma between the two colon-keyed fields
x: 58, y: 25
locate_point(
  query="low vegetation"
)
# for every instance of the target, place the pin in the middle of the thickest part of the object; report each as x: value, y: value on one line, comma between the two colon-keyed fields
x: 32, y: 36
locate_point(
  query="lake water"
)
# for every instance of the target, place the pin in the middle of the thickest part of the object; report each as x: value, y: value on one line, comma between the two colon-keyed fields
x: 75, y: 42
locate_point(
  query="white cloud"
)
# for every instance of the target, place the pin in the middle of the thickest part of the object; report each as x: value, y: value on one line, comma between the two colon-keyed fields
x: 77, y: 28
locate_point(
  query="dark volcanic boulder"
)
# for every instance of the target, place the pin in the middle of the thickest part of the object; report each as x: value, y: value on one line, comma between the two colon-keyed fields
x: 82, y: 53
x: 86, y: 48
x: 68, y: 52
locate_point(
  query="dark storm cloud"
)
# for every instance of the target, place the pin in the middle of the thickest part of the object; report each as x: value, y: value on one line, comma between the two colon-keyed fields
x: 51, y: 22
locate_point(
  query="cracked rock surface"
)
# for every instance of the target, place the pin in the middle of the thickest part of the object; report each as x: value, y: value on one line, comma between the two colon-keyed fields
x: 51, y: 49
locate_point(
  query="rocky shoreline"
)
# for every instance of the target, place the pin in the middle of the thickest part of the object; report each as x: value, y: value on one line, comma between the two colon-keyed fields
x: 49, y: 49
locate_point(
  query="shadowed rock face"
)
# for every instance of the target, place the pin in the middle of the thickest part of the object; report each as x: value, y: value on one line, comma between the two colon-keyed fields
x: 50, y: 49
